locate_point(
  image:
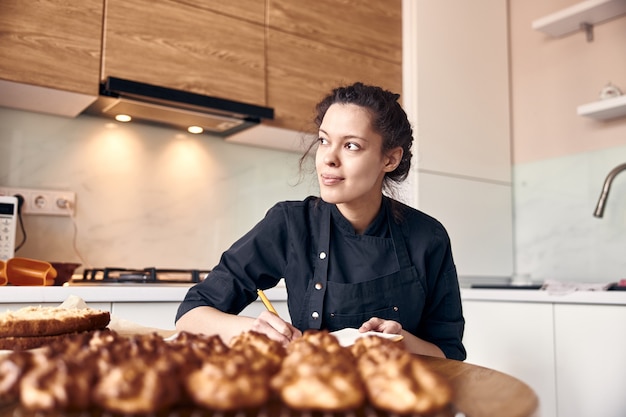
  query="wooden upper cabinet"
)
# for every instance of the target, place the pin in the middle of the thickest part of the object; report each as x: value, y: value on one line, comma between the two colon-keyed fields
x: 250, y: 10
x: 187, y: 45
x: 367, y: 27
x: 313, y: 47
x: 53, y: 43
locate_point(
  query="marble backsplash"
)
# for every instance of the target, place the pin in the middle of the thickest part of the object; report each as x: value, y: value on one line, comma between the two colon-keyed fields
x: 145, y: 196
x: 556, y: 235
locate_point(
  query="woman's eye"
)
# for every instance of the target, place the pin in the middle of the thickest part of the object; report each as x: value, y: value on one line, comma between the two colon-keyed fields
x: 352, y: 146
x: 323, y: 141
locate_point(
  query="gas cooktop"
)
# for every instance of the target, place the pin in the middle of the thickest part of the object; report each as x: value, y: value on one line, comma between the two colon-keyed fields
x: 151, y: 275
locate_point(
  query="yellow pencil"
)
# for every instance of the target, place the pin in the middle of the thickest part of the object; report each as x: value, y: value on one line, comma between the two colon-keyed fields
x: 266, y: 302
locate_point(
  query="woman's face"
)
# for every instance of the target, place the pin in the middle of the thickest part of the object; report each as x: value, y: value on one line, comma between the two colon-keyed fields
x: 349, y: 160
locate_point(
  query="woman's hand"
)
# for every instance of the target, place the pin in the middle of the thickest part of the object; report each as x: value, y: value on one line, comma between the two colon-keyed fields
x: 413, y: 343
x: 379, y: 325
x: 275, y: 328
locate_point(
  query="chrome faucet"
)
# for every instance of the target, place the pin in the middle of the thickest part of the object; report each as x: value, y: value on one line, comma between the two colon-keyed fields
x: 599, y: 211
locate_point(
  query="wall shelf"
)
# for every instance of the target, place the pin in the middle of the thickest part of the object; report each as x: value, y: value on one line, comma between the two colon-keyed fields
x: 604, y: 109
x: 582, y: 15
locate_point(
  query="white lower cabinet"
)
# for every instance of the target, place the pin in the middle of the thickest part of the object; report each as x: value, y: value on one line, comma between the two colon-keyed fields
x: 257, y: 307
x: 159, y: 315
x: 517, y: 339
x: 572, y: 355
x: 591, y: 360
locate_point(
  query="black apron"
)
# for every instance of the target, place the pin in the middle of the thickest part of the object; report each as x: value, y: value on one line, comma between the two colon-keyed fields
x: 331, y: 305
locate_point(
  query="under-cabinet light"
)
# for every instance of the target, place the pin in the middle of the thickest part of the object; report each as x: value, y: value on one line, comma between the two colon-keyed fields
x: 195, y: 130
x: 123, y: 118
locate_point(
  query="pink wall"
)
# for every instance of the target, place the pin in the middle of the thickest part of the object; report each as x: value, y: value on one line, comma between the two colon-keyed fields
x: 552, y: 76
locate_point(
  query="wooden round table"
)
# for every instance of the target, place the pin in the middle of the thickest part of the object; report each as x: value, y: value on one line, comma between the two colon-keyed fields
x: 484, y: 392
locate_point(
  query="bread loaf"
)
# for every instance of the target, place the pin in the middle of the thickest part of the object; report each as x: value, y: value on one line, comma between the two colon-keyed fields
x: 40, y: 322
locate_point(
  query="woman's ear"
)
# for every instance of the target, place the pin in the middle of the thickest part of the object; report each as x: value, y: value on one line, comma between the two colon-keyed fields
x: 394, y: 157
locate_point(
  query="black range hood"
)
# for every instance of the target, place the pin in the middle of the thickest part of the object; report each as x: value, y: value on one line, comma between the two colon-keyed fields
x: 175, y: 108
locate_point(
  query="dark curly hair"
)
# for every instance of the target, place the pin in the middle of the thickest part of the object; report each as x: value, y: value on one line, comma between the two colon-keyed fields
x: 388, y: 119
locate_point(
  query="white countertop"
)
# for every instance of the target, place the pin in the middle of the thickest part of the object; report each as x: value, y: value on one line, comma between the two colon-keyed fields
x: 110, y: 293
x: 540, y: 296
x: 176, y: 293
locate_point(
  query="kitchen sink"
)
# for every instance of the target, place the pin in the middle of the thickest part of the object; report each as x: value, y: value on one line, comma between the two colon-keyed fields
x: 506, y: 286
x: 612, y: 287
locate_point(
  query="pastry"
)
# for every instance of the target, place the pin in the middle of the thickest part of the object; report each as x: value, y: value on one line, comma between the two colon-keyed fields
x: 397, y: 381
x: 319, y: 374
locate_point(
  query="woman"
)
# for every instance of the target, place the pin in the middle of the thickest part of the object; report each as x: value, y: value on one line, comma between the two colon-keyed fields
x: 352, y: 257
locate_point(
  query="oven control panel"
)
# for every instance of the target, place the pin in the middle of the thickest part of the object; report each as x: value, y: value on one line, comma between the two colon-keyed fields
x: 8, y: 221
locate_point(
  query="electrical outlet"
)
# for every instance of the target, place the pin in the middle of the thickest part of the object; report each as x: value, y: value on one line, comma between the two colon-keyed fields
x: 44, y: 202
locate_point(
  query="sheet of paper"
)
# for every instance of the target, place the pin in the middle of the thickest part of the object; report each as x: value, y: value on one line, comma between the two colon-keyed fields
x: 349, y: 335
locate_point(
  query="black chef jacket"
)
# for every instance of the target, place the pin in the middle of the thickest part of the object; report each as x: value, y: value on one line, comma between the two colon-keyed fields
x: 401, y: 268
